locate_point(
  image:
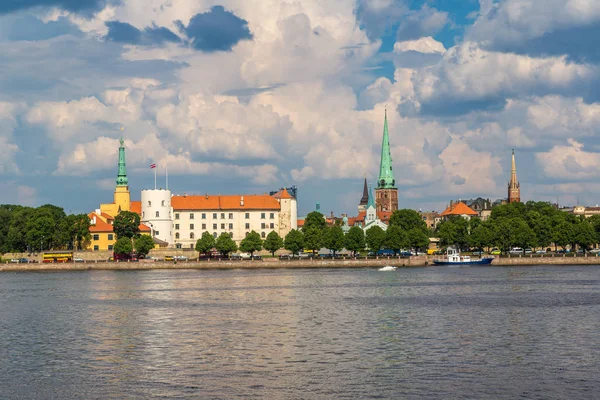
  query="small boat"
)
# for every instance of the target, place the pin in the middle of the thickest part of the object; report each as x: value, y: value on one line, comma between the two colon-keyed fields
x: 453, y: 257
x: 387, y: 268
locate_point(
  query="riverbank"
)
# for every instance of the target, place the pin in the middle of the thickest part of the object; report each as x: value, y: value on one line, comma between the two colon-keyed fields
x: 418, y: 261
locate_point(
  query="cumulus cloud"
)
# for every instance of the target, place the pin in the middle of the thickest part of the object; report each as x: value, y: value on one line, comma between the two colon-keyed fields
x: 426, y: 21
x: 126, y: 33
x: 570, y: 162
x: 76, y: 6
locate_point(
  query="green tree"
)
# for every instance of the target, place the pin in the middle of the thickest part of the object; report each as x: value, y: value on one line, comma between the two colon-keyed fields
x: 313, y: 237
x: 396, y: 239
x: 333, y: 239
x: 314, y: 219
x: 584, y: 235
x: 482, y: 236
x: 407, y: 220
x: 205, y: 244
x: 273, y: 242
x: 251, y: 243
x: 375, y: 238
x: 123, y: 246
x: 127, y: 225
x: 294, y: 241
x: 76, y: 231
x: 563, y: 234
x: 418, y: 239
x: 225, y: 244
x: 355, y: 239
x: 521, y: 234
x: 143, y: 245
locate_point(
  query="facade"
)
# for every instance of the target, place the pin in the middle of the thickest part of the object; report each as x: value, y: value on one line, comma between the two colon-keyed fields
x: 482, y: 206
x: 459, y: 209
x: 157, y: 213
x: 431, y: 219
x: 386, y: 193
x: 514, y: 188
x: 101, y: 229
x: 586, y: 211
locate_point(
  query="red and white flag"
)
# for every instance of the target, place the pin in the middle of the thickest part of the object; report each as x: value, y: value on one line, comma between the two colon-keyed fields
x: 152, y: 166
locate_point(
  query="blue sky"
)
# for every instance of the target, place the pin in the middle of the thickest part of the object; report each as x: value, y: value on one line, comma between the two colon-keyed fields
x: 246, y: 97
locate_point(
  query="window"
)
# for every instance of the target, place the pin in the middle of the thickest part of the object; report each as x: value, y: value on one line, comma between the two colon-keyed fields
x: 157, y: 214
x: 262, y: 215
x: 96, y: 236
x: 230, y: 226
x: 143, y: 214
x: 162, y: 203
x: 149, y: 204
x: 214, y: 215
x: 230, y: 215
x: 222, y: 226
x: 272, y: 216
x: 110, y: 236
x: 222, y: 215
x: 262, y: 226
x: 178, y: 246
x: 156, y: 233
x: 177, y: 235
x: 203, y: 215
x: 191, y: 226
x: 192, y: 235
x: 204, y: 226
x: 191, y: 246
x: 247, y: 226
x: 176, y: 226
x: 110, y: 246
x: 191, y: 215
x: 215, y: 235
x: 271, y: 225
x: 247, y: 215
x: 96, y: 248
x: 262, y: 235
x: 214, y: 226
x: 176, y: 215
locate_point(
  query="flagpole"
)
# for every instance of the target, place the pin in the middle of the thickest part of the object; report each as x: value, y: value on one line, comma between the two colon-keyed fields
x: 154, y: 178
x: 167, y: 176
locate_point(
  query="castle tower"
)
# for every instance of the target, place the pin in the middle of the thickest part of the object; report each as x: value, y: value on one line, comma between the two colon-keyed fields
x: 122, y: 198
x: 514, y: 188
x: 386, y: 193
x: 157, y: 213
x: 362, y: 206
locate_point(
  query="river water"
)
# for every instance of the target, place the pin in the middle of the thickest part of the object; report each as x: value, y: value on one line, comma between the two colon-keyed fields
x: 419, y: 333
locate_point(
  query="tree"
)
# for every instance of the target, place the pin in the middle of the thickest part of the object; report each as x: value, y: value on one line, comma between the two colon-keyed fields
x: 294, y: 241
x: 396, y: 239
x: 313, y: 236
x: 407, y: 220
x: 76, y: 230
x: 481, y: 236
x: 563, y: 234
x: 143, y: 245
x: 584, y: 235
x: 355, y: 239
x: 418, y: 239
x: 375, y: 238
x: 251, y: 243
x: 205, y: 243
x: 123, y: 246
x: 314, y: 219
x: 127, y: 225
x: 225, y: 244
x: 333, y: 239
x: 273, y: 242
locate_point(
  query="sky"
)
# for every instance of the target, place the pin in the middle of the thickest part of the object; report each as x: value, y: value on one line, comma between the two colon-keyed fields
x: 240, y: 97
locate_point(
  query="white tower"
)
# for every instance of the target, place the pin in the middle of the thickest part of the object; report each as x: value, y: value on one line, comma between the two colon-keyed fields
x: 157, y: 213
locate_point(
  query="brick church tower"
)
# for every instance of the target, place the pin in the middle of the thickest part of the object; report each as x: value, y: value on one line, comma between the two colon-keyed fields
x: 386, y: 193
x: 514, y: 188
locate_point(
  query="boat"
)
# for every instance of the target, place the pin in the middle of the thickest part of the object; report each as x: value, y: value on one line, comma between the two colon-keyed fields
x: 453, y: 257
x: 387, y: 268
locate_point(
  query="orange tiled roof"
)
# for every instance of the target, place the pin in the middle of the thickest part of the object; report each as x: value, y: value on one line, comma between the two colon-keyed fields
x: 100, y: 225
x: 300, y: 223
x: 384, y: 216
x: 106, y: 216
x: 283, y: 194
x: 459, y: 208
x: 136, y: 207
x: 144, y: 228
x: 251, y: 202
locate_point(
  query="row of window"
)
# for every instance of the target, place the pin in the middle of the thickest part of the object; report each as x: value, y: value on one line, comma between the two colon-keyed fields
x: 230, y: 215
x: 97, y: 236
x: 215, y: 235
x: 223, y: 226
x: 96, y: 247
x: 162, y: 203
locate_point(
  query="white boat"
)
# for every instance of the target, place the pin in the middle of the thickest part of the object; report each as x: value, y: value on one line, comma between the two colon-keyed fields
x: 453, y: 257
x: 387, y: 268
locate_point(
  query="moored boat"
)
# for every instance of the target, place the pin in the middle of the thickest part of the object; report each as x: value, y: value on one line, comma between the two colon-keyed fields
x: 453, y: 257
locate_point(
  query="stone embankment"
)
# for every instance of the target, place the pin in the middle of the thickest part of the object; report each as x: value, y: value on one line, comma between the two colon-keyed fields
x: 418, y: 261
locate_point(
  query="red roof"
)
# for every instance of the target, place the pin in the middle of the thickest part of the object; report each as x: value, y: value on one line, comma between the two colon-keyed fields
x: 234, y: 202
x: 384, y: 216
x: 300, y: 223
x: 283, y: 194
x: 136, y: 207
x: 100, y: 225
x: 459, y: 208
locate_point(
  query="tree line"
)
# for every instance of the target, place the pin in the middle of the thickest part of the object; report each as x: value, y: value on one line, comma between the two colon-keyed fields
x: 524, y: 225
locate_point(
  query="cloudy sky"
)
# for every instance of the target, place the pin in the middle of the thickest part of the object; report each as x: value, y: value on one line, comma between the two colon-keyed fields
x: 240, y: 96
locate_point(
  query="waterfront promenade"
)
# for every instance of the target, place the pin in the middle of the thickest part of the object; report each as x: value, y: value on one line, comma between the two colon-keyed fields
x: 416, y: 261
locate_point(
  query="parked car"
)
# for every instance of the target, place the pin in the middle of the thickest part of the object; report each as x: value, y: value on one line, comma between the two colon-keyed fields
x: 528, y: 251
x: 495, y: 251
x: 180, y: 258
x: 78, y: 260
x: 515, y: 251
x: 594, y: 251
x: 285, y: 257
x: 478, y: 253
x: 541, y: 251
x: 257, y: 257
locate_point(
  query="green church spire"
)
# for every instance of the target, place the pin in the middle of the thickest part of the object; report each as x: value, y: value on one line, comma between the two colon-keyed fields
x: 122, y: 174
x: 371, y: 202
x: 386, y: 175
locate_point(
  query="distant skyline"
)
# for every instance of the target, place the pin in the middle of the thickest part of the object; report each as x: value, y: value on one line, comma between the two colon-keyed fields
x: 250, y: 96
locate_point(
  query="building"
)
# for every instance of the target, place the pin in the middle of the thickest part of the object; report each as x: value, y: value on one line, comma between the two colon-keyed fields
x: 459, y: 209
x: 362, y: 206
x: 482, y: 206
x: 585, y: 211
x: 157, y: 213
x: 514, y: 188
x: 431, y: 219
x: 101, y: 230
x: 121, y: 197
x: 386, y: 193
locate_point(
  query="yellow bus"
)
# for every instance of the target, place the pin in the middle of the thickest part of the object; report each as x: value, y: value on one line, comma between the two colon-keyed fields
x: 58, y: 256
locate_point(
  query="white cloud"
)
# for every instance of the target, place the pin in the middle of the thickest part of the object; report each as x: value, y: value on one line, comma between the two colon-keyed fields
x: 427, y: 45
x: 570, y: 162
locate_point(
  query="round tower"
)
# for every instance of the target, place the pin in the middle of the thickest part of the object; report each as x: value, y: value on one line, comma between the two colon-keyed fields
x: 157, y: 213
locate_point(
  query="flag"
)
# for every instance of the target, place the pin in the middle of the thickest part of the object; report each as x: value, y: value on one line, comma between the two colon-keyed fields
x: 152, y: 166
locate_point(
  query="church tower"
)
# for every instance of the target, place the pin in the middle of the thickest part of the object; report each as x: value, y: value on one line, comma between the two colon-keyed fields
x: 514, y: 188
x: 386, y: 193
x: 362, y: 206
x: 122, y: 198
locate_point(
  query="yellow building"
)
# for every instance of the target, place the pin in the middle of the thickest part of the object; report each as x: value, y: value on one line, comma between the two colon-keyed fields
x: 101, y: 229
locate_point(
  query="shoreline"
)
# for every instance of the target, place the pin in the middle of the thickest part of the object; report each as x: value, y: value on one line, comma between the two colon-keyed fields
x: 423, y: 261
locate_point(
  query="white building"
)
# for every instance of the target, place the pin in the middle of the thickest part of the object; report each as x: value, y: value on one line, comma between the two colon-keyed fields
x: 238, y: 215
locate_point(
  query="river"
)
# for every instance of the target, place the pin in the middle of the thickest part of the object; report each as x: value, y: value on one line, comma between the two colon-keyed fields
x: 415, y: 333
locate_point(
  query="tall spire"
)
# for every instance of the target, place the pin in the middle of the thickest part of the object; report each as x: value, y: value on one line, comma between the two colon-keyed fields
x: 514, y: 188
x: 371, y: 202
x: 386, y: 175
x: 122, y: 174
x: 365, y: 197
